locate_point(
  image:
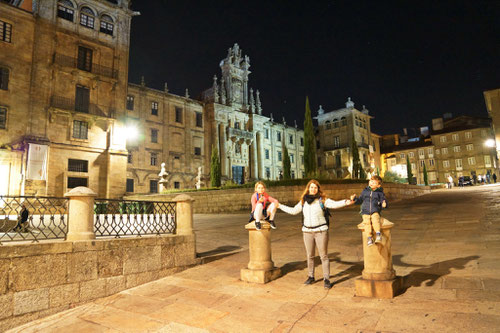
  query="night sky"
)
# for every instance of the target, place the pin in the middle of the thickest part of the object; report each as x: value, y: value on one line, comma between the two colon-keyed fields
x: 407, y: 61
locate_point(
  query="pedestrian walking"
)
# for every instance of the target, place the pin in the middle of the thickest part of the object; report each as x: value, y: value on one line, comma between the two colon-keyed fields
x: 450, y: 181
x: 314, y: 206
x: 494, y: 178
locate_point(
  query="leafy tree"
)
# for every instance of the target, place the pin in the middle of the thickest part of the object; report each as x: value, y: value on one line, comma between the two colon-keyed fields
x: 392, y: 177
x: 215, y: 171
x: 286, y: 163
x: 426, y: 180
x: 309, y: 143
x: 356, y: 163
x: 378, y: 171
x: 408, y: 170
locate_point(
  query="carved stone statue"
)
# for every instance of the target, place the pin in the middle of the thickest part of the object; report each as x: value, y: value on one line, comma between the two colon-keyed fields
x: 257, y: 103
x: 215, y: 88
x: 198, y: 179
x: 163, y: 178
x: 252, y: 101
x: 222, y: 91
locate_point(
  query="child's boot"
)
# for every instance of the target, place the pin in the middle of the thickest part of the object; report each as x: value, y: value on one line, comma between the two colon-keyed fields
x: 257, y: 225
x: 369, y: 241
x: 378, y: 238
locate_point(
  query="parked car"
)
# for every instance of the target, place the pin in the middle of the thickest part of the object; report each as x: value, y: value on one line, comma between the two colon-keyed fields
x: 467, y: 181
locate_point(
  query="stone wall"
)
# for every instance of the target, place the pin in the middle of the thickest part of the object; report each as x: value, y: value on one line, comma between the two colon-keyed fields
x: 37, y: 280
x: 238, y: 199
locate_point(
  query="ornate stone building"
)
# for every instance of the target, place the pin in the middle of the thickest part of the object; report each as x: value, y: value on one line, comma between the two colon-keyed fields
x: 64, y: 76
x: 492, y: 99
x: 335, y: 133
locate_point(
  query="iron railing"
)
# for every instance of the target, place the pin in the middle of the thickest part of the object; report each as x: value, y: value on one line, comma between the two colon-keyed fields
x: 25, y: 218
x: 116, y: 218
x: 72, y: 62
x: 70, y: 104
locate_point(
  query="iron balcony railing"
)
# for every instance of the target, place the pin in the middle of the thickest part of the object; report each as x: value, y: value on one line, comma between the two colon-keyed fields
x: 72, y: 62
x: 26, y: 218
x: 116, y: 218
x: 70, y: 104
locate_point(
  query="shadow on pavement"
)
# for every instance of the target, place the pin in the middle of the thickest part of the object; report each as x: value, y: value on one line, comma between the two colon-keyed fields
x: 430, y: 273
x: 218, y: 253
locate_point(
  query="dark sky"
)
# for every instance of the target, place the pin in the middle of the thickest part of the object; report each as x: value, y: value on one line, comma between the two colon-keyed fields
x: 407, y: 61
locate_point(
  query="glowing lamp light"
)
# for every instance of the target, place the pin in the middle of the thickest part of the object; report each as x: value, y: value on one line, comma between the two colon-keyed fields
x: 131, y: 132
x: 489, y: 143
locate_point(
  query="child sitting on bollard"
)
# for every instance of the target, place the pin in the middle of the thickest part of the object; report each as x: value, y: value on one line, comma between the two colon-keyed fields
x: 372, y: 200
x: 263, y: 206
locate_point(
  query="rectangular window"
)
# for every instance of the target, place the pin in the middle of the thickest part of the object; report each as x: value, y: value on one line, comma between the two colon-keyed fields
x: 442, y: 139
x: 469, y: 147
x: 318, y: 145
x: 468, y: 135
x: 266, y: 153
x: 280, y: 157
x: 402, y: 156
x: 153, y: 186
x: 487, y: 161
x: 5, y: 31
x: 471, y: 160
x: 106, y: 28
x: 411, y: 154
x: 77, y: 181
x: 268, y: 172
x: 302, y: 159
x: 444, y: 150
x: 431, y: 162
x: 446, y: 164
x: 293, y: 174
x: 129, y: 157
x: 421, y: 153
x: 413, y: 166
x: 130, y: 102
x: 78, y: 165
x: 65, y: 13
x: 154, y: 135
x: 290, y: 139
x: 336, y: 141
x: 153, y: 159
x: 430, y: 152
x: 278, y: 136
x: 458, y: 164
x: 302, y: 142
x: 82, y: 99
x: 3, y: 118
x: 266, y: 133
x: 4, y: 78
x: 454, y: 137
x: 80, y: 129
x: 87, y: 20
x: 154, y: 108
x: 456, y: 149
x: 178, y: 114
x: 177, y: 185
x: 422, y: 163
x: 338, y: 162
x: 130, y: 185
x: 197, y: 151
x: 291, y: 158
x: 84, y: 59
x: 199, y: 119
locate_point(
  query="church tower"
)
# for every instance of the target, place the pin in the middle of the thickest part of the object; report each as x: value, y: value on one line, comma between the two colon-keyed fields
x: 235, y: 77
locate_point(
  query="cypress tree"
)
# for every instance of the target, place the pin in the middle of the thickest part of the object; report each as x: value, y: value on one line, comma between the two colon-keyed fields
x: 426, y: 180
x: 356, y: 163
x: 309, y: 143
x: 286, y: 163
x: 215, y: 172
x: 408, y: 170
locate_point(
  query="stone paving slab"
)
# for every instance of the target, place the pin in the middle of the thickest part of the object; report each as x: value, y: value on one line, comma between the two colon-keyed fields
x: 445, y: 245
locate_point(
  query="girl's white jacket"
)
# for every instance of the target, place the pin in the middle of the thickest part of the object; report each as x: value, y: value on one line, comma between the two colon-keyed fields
x: 313, y: 214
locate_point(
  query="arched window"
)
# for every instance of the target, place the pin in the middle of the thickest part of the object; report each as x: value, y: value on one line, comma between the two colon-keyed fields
x: 4, y: 78
x: 335, y: 123
x: 328, y: 125
x: 107, y: 25
x: 65, y: 10
x: 87, y: 17
x: 343, y: 121
x: 113, y: 1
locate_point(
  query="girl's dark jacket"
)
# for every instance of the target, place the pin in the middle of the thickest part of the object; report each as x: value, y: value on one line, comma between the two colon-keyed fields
x: 371, y: 200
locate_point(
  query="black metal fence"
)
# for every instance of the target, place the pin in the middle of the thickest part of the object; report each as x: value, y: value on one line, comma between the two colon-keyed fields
x: 118, y: 218
x: 33, y: 218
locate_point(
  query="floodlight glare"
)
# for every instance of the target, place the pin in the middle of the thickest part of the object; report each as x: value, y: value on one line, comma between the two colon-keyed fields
x: 489, y: 143
x: 131, y: 132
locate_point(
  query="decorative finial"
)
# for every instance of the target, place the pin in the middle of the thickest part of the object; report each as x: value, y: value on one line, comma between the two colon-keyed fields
x: 165, y: 87
x: 187, y: 93
x: 258, y: 105
x: 284, y: 121
x: 295, y: 122
x: 320, y: 110
x: 349, y: 104
x: 271, y: 116
x: 222, y: 91
x: 252, y: 101
x: 215, y: 89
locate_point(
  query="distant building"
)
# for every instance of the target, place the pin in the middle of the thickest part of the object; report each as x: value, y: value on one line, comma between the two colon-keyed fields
x: 492, y: 99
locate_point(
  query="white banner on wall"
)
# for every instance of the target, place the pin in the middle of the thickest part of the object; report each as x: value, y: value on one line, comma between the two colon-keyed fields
x: 37, y: 162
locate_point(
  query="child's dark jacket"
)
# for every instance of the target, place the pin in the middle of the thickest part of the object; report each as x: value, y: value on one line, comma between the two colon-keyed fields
x: 371, y: 200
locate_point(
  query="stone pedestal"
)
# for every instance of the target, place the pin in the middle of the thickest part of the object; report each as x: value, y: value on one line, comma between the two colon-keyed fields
x: 80, y: 214
x: 378, y: 278
x: 184, y: 212
x: 260, y: 267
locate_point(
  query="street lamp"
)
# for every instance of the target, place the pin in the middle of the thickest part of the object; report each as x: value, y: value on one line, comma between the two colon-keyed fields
x: 131, y: 132
x: 489, y: 143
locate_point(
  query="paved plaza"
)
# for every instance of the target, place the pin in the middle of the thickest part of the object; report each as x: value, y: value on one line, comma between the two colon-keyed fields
x: 446, y: 245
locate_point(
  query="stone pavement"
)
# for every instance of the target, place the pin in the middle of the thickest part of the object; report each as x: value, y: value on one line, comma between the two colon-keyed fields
x: 445, y: 244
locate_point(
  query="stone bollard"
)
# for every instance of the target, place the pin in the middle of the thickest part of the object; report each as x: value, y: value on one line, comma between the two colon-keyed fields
x: 184, y: 212
x: 378, y: 278
x: 260, y: 267
x: 80, y: 214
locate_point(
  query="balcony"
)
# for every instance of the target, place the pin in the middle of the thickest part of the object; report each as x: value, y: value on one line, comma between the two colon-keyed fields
x: 69, y: 104
x: 238, y: 134
x: 72, y: 62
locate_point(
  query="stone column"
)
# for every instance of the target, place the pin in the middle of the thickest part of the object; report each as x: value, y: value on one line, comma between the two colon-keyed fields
x: 184, y: 214
x: 80, y: 214
x: 255, y: 165
x: 260, y: 267
x: 378, y: 278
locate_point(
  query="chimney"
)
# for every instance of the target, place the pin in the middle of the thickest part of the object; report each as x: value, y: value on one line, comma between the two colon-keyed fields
x: 437, y: 124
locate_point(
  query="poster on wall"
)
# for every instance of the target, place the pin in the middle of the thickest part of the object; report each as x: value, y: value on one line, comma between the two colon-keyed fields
x: 37, y: 162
